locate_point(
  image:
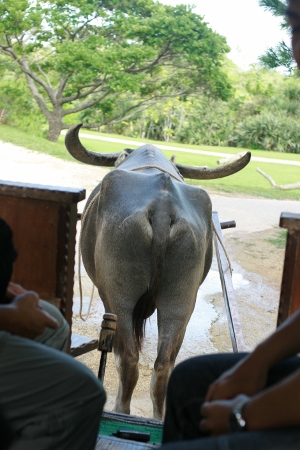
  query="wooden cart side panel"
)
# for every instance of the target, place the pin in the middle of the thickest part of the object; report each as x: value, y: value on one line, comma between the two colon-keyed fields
x: 35, y: 227
x: 296, y: 283
x: 290, y: 286
x: 43, y: 220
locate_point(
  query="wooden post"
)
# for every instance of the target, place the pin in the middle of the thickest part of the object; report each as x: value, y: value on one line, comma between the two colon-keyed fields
x: 290, y: 286
x: 233, y: 318
x: 106, y: 340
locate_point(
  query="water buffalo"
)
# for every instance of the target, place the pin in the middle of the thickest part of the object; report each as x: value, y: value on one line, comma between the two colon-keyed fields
x: 146, y: 244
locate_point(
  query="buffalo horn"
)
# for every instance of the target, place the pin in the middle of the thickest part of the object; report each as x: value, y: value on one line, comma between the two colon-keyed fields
x: 79, y: 152
x: 204, y: 173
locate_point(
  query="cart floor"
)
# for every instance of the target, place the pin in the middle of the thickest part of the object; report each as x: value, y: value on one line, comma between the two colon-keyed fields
x: 112, y: 422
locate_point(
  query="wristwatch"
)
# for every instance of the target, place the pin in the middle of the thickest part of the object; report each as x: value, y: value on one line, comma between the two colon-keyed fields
x: 237, y: 421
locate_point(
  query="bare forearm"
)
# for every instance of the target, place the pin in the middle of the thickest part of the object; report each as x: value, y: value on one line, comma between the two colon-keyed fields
x: 276, y: 407
x: 283, y: 343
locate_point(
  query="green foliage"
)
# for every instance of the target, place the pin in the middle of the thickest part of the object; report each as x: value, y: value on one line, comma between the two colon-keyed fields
x: 142, y: 69
x: 263, y: 114
x: 276, y: 7
x: 268, y: 132
x: 281, y: 55
x: 210, y: 122
x: 17, y: 107
x: 76, y: 55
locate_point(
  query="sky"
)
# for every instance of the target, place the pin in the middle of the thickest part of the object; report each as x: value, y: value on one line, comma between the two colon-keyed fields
x: 248, y: 28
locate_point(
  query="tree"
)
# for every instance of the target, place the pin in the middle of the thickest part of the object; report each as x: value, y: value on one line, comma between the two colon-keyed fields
x: 281, y: 55
x: 89, y: 53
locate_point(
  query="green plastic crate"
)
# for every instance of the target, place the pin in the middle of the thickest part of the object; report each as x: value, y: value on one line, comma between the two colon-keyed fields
x: 112, y: 422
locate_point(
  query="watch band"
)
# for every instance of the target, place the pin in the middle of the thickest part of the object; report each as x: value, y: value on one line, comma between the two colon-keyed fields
x: 237, y: 421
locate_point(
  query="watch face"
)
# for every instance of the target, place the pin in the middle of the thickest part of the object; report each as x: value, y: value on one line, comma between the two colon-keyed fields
x: 236, y: 421
x: 233, y: 423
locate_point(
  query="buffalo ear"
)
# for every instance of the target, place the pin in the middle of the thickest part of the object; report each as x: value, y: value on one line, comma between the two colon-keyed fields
x: 121, y: 158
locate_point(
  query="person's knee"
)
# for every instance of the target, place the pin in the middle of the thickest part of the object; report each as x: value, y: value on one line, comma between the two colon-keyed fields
x: 98, y: 388
x: 192, y: 377
x: 57, y: 338
x: 54, y: 312
x: 101, y: 397
x: 178, y: 381
x: 93, y: 394
x: 189, y: 369
x: 63, y: 334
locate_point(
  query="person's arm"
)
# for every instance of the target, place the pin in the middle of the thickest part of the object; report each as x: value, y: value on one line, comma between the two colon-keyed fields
x: 249, y: 375
x: 13, y: 290
x: 24, y: 317
x: 275, y: 407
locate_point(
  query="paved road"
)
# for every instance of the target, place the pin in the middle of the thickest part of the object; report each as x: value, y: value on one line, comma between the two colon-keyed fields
x: 252, y: 214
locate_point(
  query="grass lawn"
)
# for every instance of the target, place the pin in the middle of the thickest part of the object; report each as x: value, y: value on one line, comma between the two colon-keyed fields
x: 280, y: 240
x: 226, y: 150
x: 248, y: 181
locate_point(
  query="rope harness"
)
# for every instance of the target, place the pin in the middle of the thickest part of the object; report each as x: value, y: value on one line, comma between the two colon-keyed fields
x: 181, y: 179
x: 79, y: 263
x: 84, y: 318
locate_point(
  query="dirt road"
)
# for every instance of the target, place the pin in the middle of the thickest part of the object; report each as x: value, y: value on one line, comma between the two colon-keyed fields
x: 257, y: 265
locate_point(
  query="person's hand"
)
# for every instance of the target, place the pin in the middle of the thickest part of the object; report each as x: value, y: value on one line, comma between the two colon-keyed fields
x: 27, y: 319
x: 247, y: 377
x: 216, y: 415
x: 13, y: 290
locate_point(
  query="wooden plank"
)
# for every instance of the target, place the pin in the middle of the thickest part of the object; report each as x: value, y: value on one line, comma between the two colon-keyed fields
x: 130, y: 419
x: 35, y: 227
x: 290, y: 221
x: 289, y: 301
x: 41, y: 192
x: 82, y: 344
x: 111, y: 442
x: 233, y: 319
x: 43, y: 220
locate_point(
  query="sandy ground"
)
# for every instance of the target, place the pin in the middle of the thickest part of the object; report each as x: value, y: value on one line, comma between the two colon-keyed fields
x: 257, y: 265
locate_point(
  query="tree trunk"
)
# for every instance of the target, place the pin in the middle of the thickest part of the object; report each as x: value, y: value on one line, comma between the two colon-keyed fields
x: 55, y: 127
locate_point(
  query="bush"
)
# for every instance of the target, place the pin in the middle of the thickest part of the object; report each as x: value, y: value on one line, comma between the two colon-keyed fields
x: 210, y: 123
x: 268, y: 132
x: 18, y: 107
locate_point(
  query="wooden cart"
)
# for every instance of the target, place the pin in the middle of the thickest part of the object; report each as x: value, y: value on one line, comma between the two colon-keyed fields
x: 43, y: 220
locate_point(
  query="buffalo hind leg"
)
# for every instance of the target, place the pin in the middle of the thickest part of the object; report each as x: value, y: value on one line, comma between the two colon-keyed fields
x: 126, y: 359
x: 168, y: 348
